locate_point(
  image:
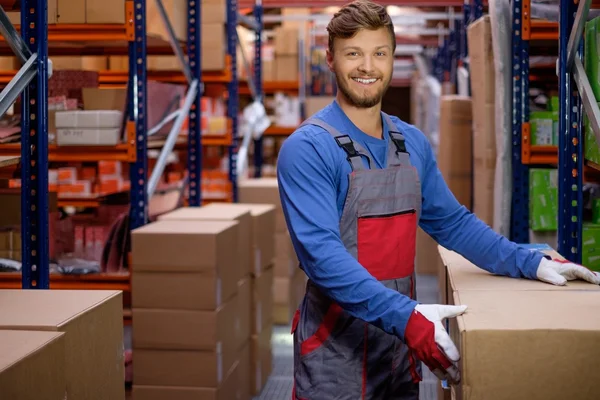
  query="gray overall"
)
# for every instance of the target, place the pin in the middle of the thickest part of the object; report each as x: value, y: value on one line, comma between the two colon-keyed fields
x: 337, y: 356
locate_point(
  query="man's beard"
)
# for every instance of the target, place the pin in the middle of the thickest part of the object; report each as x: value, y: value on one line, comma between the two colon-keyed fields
x: 361, y: 101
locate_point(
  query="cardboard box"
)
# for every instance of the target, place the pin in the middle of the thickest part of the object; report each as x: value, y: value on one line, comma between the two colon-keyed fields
x: 213, y: 47
x: 428, y: 261
x: 182, y: 368
x: 185, y: 246
x: 263, y: 191
x: 106, y: 11
x: 245, y: 369
x: 455, y: 148
x: 214, y: 11
x: 72, y: 12
x: 287, y: 296
x: 182, y: 290
x: 160, y: 329
x: 286, y: 262
x: 525, y: 332
x: 92, y: 321
x: 286, y: 68
x: 543, y: 199
x: 244, y: 312
x: 32, y: 365
x: 261, y: 362
x: 262, y: 301
x: 483, y: 95
x: 263, y: 231
x: 590, y: 254
x: 221, y: 212
x: 315, y: 104
x: 542, y: 128
x: 227, y: 390
x: 286, y: 41
x: 176, y: 11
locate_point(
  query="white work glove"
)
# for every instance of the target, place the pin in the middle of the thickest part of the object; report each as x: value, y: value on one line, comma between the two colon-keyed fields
x: 426, y: 337
x: 558, y: 272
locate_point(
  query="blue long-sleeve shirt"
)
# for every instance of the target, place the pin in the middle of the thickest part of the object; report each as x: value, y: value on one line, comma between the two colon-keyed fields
x: 313, y: 182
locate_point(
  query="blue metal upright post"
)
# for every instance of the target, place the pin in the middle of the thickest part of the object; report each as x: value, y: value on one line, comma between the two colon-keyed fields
x: 233, y: 101
x: 258, y: 84
x: 478, y: 8
x: 195, y: 116
x: 570, y: 154
x: 519, y: 231
x: 138, y: 107
x: 34, y: 151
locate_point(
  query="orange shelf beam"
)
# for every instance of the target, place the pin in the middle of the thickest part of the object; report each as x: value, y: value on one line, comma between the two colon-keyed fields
x: 89, y: 201
x: 274, y: 130
x: 116, y: 281
x: 120, y: 152
x: 531, y: 154
x: 269, y: 87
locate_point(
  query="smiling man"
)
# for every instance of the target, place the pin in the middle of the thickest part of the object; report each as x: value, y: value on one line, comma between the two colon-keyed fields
x: 354, y: 184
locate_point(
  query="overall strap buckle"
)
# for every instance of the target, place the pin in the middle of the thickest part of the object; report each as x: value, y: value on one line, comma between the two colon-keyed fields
x: 347, y: 145
x: 398, y: 140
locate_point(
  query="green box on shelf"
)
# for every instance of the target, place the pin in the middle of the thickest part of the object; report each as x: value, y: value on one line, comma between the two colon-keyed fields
x: 543, y: 199
x: 591, y: 151
x: 541, y: 123
x: 592, y: 62
x: 553, y: 107
x: 590, y: 246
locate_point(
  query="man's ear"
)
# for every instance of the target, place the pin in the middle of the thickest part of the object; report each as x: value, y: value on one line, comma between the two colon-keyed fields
x: 329, y: 57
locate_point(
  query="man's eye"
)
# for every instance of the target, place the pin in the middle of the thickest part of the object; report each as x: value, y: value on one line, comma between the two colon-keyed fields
x: 381, y: 53
x: 353, y: 54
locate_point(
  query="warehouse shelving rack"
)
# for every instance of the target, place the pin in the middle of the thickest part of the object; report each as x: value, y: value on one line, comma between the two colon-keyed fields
x: 575, y: 96
x: 31, y: 48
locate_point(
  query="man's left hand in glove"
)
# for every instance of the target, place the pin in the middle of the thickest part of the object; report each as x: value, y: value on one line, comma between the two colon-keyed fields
x: 558, y: 272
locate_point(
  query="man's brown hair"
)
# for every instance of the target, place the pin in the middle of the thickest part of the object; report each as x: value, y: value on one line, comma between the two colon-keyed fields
x: 357, y: 15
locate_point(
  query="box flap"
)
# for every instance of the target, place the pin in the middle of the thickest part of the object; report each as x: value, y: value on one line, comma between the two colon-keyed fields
x: 18, y: 345
x: 47, y: 309
x: 210, y: 212
x: 186, y: 227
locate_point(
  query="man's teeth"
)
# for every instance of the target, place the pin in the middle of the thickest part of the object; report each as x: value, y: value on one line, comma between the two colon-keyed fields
x: 365, y: 81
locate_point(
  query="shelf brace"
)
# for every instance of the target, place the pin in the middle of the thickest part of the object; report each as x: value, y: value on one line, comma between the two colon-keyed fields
x: 12, y: 37
x: 587, y: 96
x: 172, y: 138
x: 17, y: 84
x: 577, y: 31
x: 244, y: 19
x: 174, y: 42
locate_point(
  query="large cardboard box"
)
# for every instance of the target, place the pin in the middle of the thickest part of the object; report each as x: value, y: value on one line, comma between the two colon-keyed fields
x: 525, y: 333
x: 226, y: 390
x: 287, y: 296
x: 455, y: 149
x: 186, y: 246
x: 221, y: 212
x: 428, y: 261
x: 105, y: 11
x: 262, y: 301
x: 214, y: 11
x: 244, y: 312
x: 216, y: 330
x: 32, y: 365
x: 286, y: 41
x: 245, y: 373
x: 176, y: 11
x: 522, y: 325
x: 286, y: 68
x: 263, y: 232
x: 92, y: 321
x: 483, y: 94
x: 261, y: 363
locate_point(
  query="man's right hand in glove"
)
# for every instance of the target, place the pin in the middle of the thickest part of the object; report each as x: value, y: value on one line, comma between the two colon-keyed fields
x: 426, y: 337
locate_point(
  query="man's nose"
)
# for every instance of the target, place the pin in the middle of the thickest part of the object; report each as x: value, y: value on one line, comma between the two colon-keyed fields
x: 366, y: 65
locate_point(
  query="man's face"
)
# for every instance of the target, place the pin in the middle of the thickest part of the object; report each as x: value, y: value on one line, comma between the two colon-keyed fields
x: 363, y: 66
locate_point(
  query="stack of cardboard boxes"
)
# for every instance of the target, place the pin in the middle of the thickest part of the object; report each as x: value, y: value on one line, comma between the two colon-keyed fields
x: 290, y: 280
x: 286, y: 54
x: 203, y: 301
x: 58, y: 344
x: 188, y: 321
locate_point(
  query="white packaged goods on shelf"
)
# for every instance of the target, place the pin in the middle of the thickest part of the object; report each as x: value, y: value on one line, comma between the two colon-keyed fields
x: 89, y: 119
x: 500, y: 13
x: 87, y: 136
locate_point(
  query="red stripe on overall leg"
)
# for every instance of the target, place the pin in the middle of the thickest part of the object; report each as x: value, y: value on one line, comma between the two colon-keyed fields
x: 323, y: 331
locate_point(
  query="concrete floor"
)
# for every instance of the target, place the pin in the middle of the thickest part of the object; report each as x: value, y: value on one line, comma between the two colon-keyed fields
x: 279, y: 385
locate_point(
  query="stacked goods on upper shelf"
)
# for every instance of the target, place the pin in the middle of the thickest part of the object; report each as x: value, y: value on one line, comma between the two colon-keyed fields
x: 80, y: 12
x: 190, y: 303
x: 256, y: 255
x: 290, y: 280
x: 592, y: 68
x: 544, y: 125
x: 286, y: 54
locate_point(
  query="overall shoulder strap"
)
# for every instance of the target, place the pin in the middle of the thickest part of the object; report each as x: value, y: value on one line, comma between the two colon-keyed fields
x: 396, y: 137
x: 344, y: 141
